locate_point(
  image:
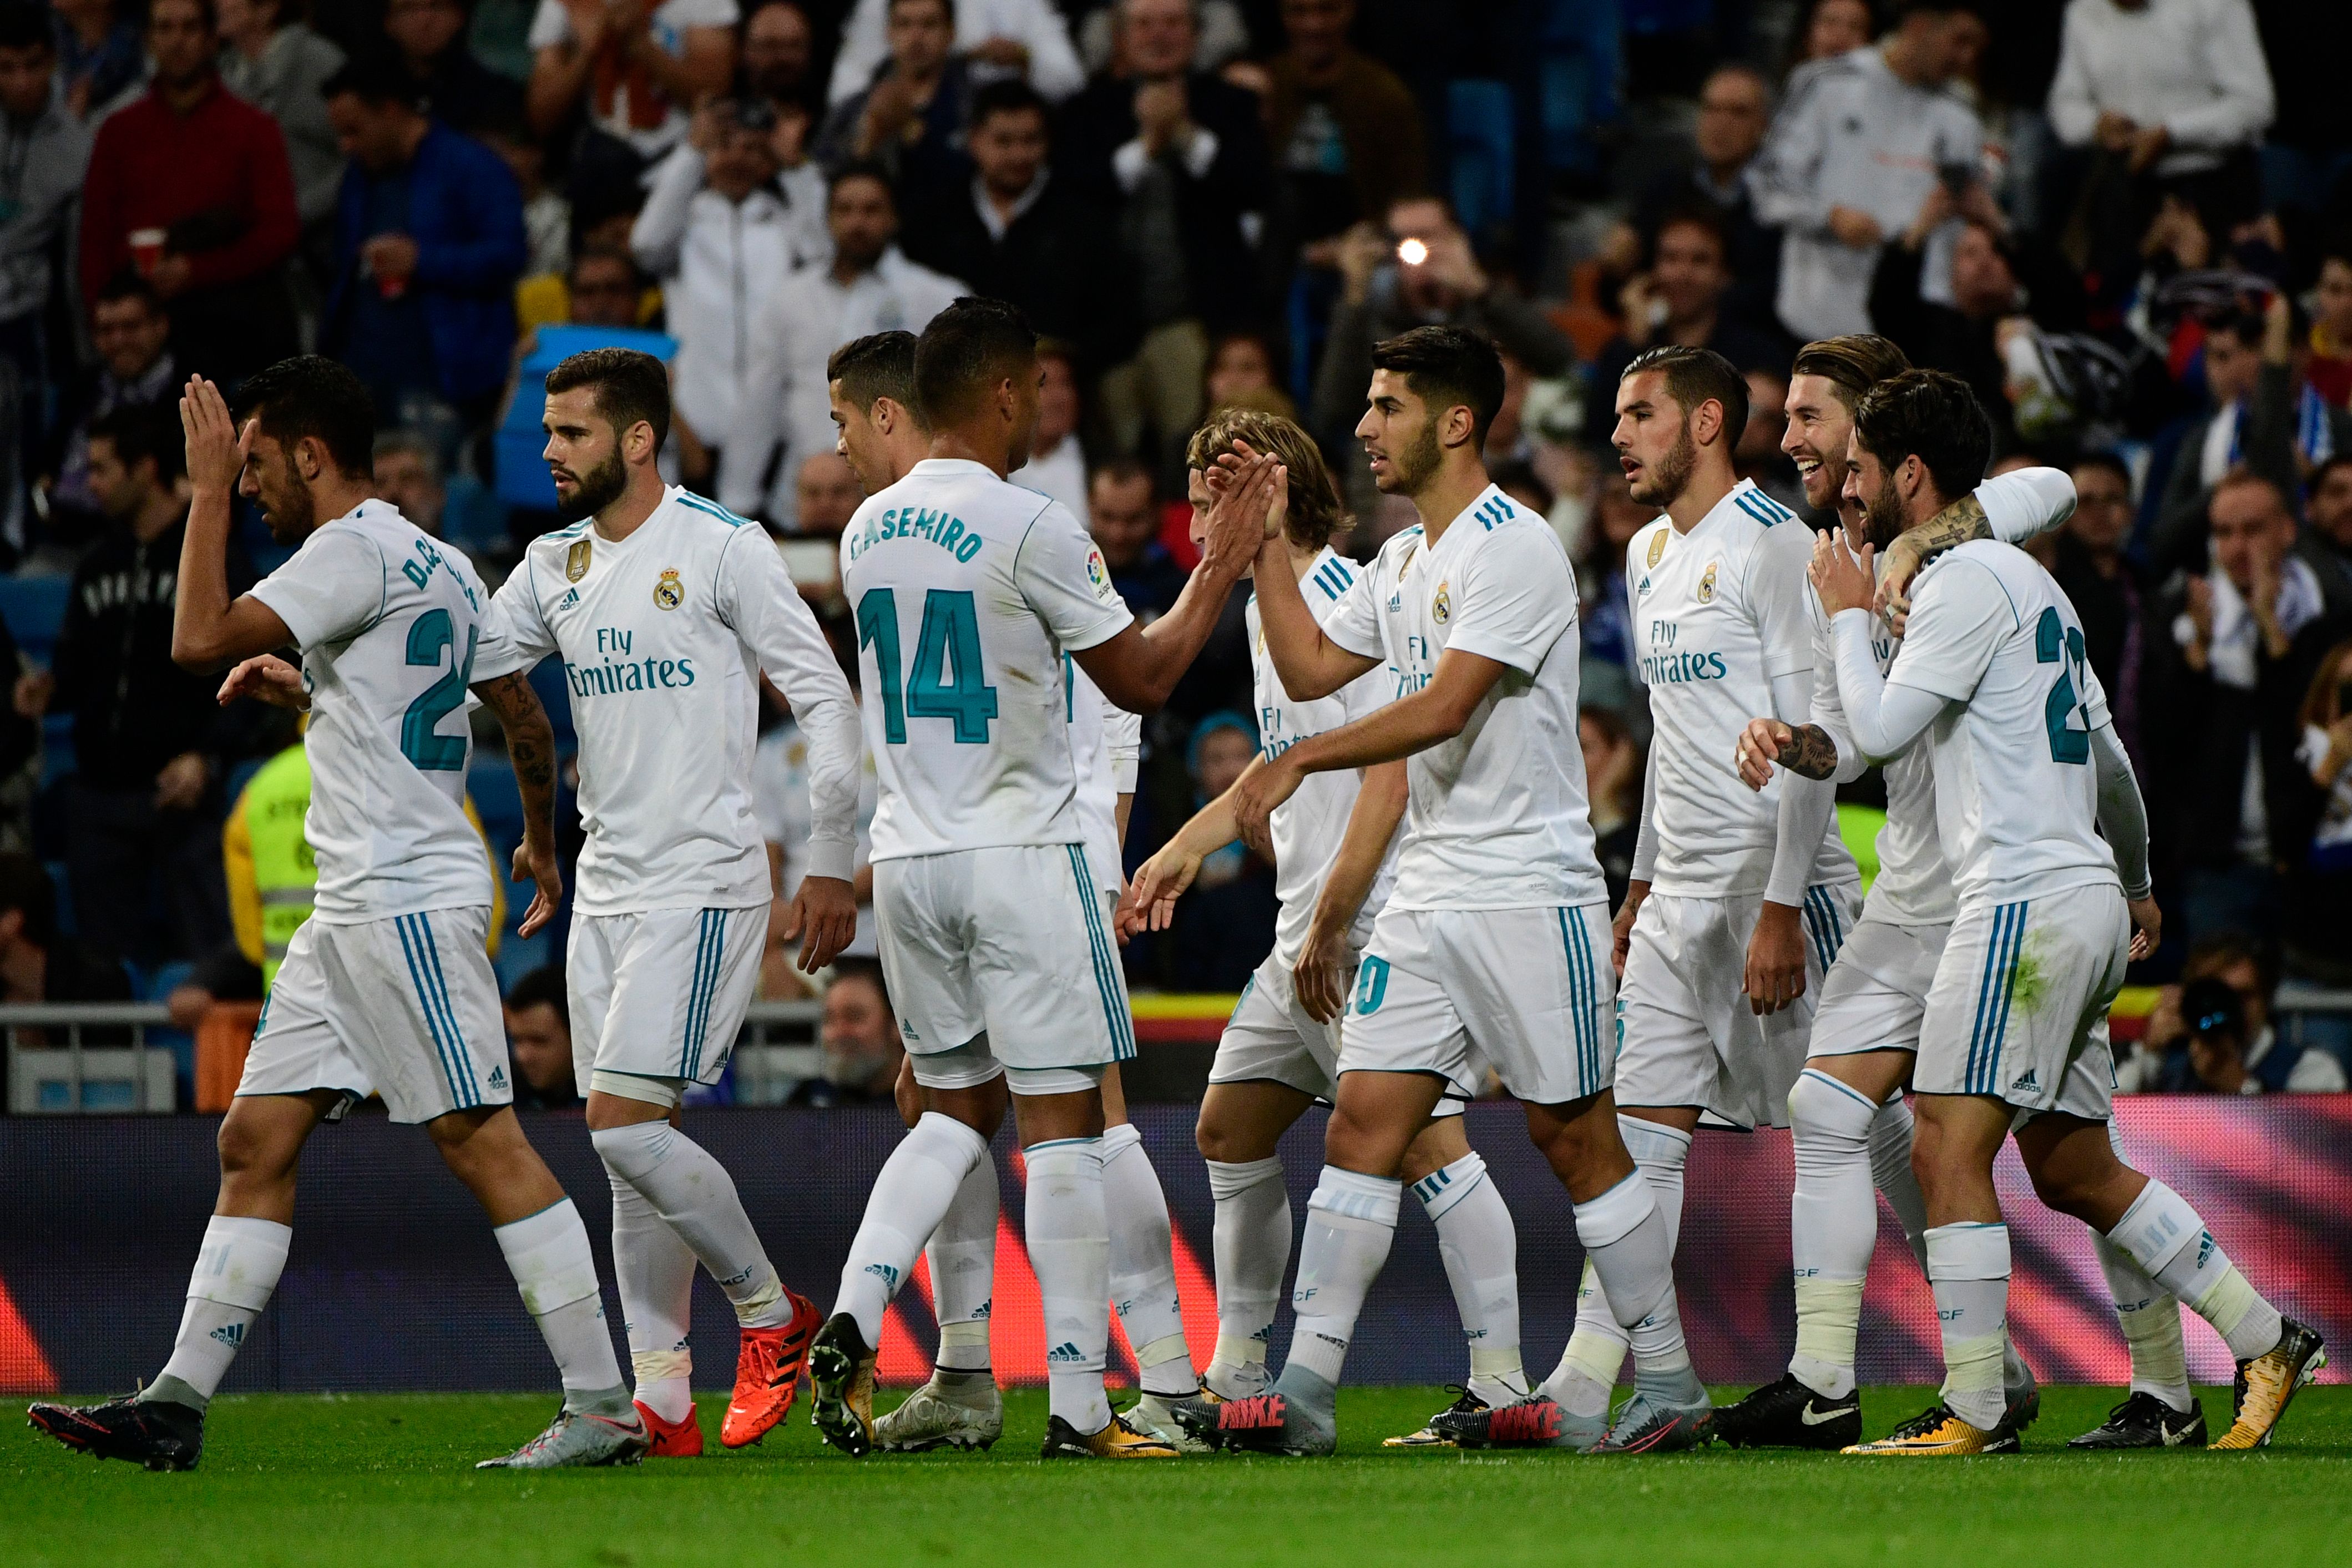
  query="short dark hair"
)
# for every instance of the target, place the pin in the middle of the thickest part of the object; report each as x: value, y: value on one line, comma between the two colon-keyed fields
x: 2209, y: 955
x: 946, y: 6
x: 1692, y: 215
x: 310, y: 397
x: 588, y: 253
x: 630, y: 386
x: 867, y: 970
x: 967, y: 348
x: 375, y: 81
x: 1125, y: 471
x: 2109, y: 462
x: 1852, y: 363
x: 142, y: 432
x: 879, y: 365
x: 2325, y: 467
x: 1931, y: 415
x: 2246, y: 326
x: 25, y: 887
x: 126, y: 284
x: 205, y: 8
x: 1695, y: 376
x: 862, y: 169
x: 543, y: 986
x: 1010, y: 96
x: 24, y: 26
x: 1446, y: 367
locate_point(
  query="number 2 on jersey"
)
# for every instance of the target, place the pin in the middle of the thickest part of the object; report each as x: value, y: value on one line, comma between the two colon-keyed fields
x: 421, y: 740
x: 950, y: 635
x: 2055, y: 643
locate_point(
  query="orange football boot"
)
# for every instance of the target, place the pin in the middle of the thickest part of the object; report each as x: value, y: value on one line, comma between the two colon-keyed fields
x: 679, y: 1439
x: 768, y: 1375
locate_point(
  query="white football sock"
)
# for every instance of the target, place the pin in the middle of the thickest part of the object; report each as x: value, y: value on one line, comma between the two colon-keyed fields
x: 1143, y: 1266
x: 1069, y: 1246
x: 917, y: 1185
x: 1968, y: 1268
x: 553, y: 1268
x: 655, y: 1271
x: 962, y: 1254
x: 1252, y: 1247
x: 1599, y: 1338
x: 2165, y: 1237
x: 2149, y: 1316
x: 236, y: 1269
x: 695, y: 1197
x: 1626, y: 1235
x: 1587, y: 1373
x: 1481, y: 1248
x: 1891, y: 1173
x: 1351, y: 1222
x: 1832, y: 1226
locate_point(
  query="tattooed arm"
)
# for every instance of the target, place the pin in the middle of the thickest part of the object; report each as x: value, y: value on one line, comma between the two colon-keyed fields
x: 530, y: 747
x: 1956, y: 525
x: 2013, y: 507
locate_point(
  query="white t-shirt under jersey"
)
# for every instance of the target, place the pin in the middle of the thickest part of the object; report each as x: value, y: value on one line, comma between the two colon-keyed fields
x: 1310, y: 827
x: 1108, y: 741
x: 393, y: 629
x: 1914, y: 885
x: 968, y: 590
x: 664, y: 636
x: 1717, y: 614
x: 2017, y: 799
x: 1496, y: 817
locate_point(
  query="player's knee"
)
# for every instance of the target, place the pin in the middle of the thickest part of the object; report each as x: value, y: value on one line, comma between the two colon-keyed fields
x: 250, y: 1151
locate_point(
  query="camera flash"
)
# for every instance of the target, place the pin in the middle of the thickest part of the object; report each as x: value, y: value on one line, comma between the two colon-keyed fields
x: 1412, y: 252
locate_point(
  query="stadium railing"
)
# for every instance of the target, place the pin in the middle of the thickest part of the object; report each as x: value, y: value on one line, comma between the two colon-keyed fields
x: 91, y: 1057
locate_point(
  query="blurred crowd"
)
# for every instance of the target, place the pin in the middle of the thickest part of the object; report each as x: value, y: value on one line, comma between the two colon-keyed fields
x: 2126, y: 222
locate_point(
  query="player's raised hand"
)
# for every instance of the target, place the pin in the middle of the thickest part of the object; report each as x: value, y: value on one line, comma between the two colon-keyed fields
x: 1903, y: 559
x: 1150, y: 900
x: 1775, y: 976
x: 1759, y: 748
x: 535, y: 861
x: 1277, y: 511
x: 216, y: 452
x: 1236, y: 525
x: 1844, y: 580
x: 823, y: 919
x: 2147, y: 927
x: 265, y: 678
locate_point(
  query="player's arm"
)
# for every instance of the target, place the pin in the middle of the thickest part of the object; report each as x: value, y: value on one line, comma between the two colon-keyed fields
x: 757, y: 598
x: 530, y: 747
x: 1884, y: 717
x: 1159, y: 881
x: 1137, y: 667
x: 1371, y: 824
x: 208, y: 628
x: 2123, y: 822
x: 1644, y: 868
x: 1309, y: 663
x: 1819, y: 748
x: 1434, y: 714
x: 1776, y: 949
x: 2012, y: 508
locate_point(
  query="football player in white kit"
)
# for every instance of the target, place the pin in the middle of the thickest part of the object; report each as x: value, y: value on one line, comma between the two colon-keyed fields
x: 1866, y: 1026
x: 387, y: 986
x: 1738, y: 900
x: 1334, y: 849
x: 968, y: 590
x: 1489, y: 949
x: 1992, y: 679
x: 665, y: 611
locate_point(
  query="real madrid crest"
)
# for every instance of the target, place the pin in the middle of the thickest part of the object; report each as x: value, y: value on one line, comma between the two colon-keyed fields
x: 1440, y: 608
x: 670, y: 593
x: 1657, y: 546
x: 575, y: 562
x: 1706, y: 584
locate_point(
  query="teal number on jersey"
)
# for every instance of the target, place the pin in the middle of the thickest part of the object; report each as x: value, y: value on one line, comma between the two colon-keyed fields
x: 877, y: 624
x: 421, y: 740
x: 2055, y: 643
x: 947, y: 680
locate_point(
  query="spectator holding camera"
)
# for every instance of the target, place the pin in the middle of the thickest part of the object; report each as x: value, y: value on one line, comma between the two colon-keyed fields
x: 1684, y: 299
x: 722, y: 235
x: 2212, y: 1033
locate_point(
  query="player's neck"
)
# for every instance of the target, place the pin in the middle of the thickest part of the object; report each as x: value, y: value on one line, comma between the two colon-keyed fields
x: 1450, y: 494
x: 1923, y: 509
x: 1302, y: 557
x: 331, y: 498
x: 628, y: 514
x: 1711, y: 480
x: 958, y: 446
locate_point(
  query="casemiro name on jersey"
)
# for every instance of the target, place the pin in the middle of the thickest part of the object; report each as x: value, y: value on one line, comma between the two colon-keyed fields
x: 942, y: 529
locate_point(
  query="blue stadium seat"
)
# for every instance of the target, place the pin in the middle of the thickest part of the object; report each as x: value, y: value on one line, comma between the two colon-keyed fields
x: 475, y: 520
x: 521, y: 472
x: 35, y: 607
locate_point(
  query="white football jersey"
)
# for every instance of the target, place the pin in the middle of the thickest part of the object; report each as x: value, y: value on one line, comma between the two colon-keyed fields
x: 393, y: 629
x: 1914, y: 885
x: 968, y: 591
x: 1496, y: 817
x: 1717, y: 614
x: 1110, y: 744
x: 1310, y: 827
x: 2017, y: 800
x: 779, y: 794
x: 664, y: 636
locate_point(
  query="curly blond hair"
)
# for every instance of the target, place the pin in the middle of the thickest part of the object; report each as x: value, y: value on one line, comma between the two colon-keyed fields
x: 1316, y: 513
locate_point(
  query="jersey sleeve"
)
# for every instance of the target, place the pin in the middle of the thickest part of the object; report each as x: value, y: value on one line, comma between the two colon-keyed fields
x: 1959, y: 613
x: 2094, y: 700
x: 2031, y: 501
x: 1123, y: 738
x: 1352, y: 621
x: 1062, y: 577
x: 1776, y: 592
x: 756, y: 599
x: 1633, y: 604
x: 331, y: 589
x: 522, y: 637
x: 1515, y: 598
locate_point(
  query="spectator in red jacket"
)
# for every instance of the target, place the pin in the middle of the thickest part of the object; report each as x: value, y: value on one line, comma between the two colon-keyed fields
x: 190, y: 184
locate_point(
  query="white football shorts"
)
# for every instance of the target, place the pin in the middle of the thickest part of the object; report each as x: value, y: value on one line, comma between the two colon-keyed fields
x: 2018, y: 1010
x: 661, y: 992
x: 1876, y: 992
x: 1273, y: 1037
x: 406, y: 1008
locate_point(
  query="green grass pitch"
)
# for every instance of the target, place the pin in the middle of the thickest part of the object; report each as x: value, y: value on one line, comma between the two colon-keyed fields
x: 386, y: 1480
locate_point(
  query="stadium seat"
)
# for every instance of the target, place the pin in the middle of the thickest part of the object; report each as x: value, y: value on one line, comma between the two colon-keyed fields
x: 522, y: 472
x: 35, y: 607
